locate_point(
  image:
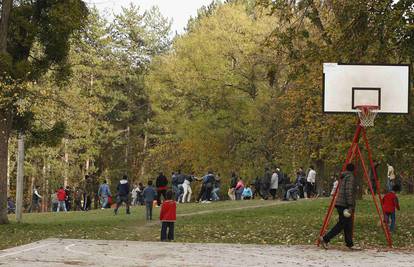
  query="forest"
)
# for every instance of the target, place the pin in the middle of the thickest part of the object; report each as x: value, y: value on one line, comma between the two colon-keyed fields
x: 239, y: 90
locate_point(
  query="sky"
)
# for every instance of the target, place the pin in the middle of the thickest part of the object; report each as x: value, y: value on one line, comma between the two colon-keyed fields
x: 179, y: 10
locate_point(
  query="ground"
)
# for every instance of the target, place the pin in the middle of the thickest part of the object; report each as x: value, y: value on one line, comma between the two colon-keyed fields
x: 235, y: 222
x: 71, y: 252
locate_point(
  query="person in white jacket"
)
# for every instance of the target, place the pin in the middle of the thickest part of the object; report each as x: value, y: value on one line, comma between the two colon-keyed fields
x: 274, y: 184
x: 310, y: 182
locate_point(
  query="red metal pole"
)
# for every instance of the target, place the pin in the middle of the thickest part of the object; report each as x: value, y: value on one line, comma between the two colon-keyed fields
x: 380, y: 214
x: 387, y: 232
x: 350, y: 154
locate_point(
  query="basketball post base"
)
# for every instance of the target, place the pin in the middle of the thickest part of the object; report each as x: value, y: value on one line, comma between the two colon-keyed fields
x: 354, y: 154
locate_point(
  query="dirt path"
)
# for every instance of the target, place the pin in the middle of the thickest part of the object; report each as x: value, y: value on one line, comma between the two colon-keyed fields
x: 71, y: 252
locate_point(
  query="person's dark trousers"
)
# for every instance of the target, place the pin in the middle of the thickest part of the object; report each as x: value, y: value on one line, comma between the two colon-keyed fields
x: 148, y: 210
x: 208, y: 193
x: 120, y: 200
x: 309, y: 189
x: 68, y: 204
x: 161, y: 192
x: 164, y: 235
x: 344, y: 224
x: 374, y: 186
x: 273, y: 193
x: 301, y: 192
x: 201, y: 195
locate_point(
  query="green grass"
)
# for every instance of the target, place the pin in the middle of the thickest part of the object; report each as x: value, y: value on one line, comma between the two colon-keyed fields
x: 289, y: 223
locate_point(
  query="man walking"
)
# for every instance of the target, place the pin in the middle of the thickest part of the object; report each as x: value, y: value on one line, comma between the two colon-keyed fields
x: 345, y: 205
x: 123, y: 194
x: 274, y: 183
x: 104, y: 192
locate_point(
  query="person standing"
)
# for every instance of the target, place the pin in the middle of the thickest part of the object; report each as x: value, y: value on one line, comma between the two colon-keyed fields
x: 168, y: 215
x: 391, y: 177
x: 78, y: 199
x: 36, y: 197
x: 390, y: 204
x: 61, y: 195
x: 301, y: 180
x: 267, y: 178
x: 149, y: 195
x: 187, y: 188
x: 274, y: 183
x: 239, y: 188
x: 104, y: 192
x: 123, y: 194
x: 345, y: 205
x: 208, y: 181
x: 372, y: 176
x: 69, y: 199
x: 161, y: 183
x: 87, y: 193
x: 310, y: 182
x: 233, y: 183
x: 216, y: 188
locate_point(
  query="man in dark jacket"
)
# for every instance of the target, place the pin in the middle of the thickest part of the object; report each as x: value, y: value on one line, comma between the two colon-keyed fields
x: 161, y: 184
x: 123, y: 194
x: 345, y: 205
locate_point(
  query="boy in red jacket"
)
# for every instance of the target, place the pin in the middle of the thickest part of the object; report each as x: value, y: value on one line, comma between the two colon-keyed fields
x: 61, y: 195
x: 389, y: 204
x: 168, y: 216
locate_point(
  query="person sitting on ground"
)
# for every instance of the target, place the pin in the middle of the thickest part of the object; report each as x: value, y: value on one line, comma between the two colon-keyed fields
x: 293, y: 192
x: 239, y: 188
x: 123, y: 194
x: 149, y: 195
x: 390, y: 203
x: 11, y: 207
x: 168, y: 215
x: 247, y: 193
x: 61, y: 195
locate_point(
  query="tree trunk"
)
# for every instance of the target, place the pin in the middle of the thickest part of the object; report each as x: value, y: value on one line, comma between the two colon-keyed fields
x: 66, y: 169
x: 144, y: 152
x: 4, y: 24
x: 5, y: 128
x: 5, y: 119
x: 8, y: 174
x: 20, y: 177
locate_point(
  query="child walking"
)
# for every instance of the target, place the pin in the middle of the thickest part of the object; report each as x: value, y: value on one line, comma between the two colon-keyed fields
x: 168, y: 216
x: 390, y: 203
x: 149, y: 195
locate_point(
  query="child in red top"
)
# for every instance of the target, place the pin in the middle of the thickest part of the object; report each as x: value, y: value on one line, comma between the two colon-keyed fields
x: 168, y: 216
x: 389, y: 204
x: 61, y: 195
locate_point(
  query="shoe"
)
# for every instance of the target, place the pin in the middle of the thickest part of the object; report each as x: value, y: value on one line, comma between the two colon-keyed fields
x: 355, y: 248
x: 102, y: 208
x: 323, y: 243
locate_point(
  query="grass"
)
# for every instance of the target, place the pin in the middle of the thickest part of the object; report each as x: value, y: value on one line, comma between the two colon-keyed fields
x: 258, y: 222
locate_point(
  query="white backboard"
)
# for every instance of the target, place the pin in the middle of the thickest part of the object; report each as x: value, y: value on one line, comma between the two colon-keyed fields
x: 348, y: 85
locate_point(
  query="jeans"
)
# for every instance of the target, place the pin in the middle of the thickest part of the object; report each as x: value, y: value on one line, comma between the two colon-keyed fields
x: 104, y: 201
x: 390, y: 184
x: 391, y: 216
x: 148, y: 210
x: 214, y: 194
x: 273, y: 192
x: 293, y: 192
x: 164, y: 226
x: 344, y: 224
x: 239, y: 192
x: 61, y: 204
x: 119, y: 201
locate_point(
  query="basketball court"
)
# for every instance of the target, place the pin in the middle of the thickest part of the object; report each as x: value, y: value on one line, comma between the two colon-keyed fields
x: 71, y: 252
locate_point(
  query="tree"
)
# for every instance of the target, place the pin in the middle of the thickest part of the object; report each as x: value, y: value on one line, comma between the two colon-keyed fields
x: 48, y: 25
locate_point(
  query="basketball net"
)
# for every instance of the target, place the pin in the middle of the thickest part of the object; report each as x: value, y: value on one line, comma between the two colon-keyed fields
x: 367, y: 115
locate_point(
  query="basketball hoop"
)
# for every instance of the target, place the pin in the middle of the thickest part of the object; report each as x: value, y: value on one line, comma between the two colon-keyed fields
x: 367, y: 115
